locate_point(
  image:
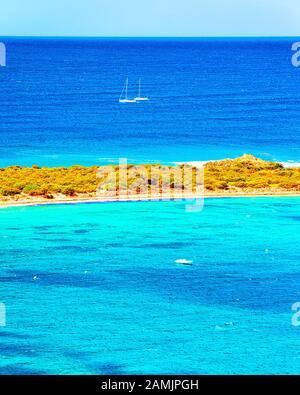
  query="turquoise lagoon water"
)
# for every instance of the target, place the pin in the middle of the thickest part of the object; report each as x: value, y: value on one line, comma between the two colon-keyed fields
x: 93, y: 288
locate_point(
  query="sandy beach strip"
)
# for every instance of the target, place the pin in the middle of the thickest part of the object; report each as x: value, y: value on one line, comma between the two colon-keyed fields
x: 37, y: 201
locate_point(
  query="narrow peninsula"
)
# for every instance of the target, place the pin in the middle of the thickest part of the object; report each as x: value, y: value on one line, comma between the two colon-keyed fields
x: 243, y: 176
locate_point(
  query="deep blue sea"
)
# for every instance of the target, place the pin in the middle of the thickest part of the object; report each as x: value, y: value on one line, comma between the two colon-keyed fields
x: 93, y: 288
x: 209, y: 99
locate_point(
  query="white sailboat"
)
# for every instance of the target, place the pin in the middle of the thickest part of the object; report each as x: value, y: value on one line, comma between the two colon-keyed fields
x: 126, y: 100
x: 139, y: 97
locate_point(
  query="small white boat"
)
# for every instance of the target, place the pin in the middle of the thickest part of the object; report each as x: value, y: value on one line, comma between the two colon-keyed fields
x: 126, y: 100
x: 184, y: 262
x: 139, y: 97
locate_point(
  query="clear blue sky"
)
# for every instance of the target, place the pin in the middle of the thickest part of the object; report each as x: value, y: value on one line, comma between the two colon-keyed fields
x: 150, y: 18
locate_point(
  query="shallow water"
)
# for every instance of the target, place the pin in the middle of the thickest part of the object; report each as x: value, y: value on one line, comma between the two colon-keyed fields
x: 93, y: 288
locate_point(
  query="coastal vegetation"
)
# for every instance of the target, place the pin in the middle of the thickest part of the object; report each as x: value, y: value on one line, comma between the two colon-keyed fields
x: 245, y: 175
x: 250, y: 174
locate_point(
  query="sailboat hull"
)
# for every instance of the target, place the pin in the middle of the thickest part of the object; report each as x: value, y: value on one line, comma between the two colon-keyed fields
x: 127, y: 101
x: 141, y: 98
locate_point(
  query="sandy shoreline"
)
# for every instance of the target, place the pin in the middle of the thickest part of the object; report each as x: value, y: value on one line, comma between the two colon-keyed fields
x: 136, y: 198
x: 246, y: 176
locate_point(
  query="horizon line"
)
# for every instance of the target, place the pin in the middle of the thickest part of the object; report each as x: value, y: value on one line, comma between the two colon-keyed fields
x: 148, y: 37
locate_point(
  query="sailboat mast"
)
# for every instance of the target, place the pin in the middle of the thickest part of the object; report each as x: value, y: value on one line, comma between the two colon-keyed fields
x: 126, y: 88
x: 139, y: 96
x: 125, y: 99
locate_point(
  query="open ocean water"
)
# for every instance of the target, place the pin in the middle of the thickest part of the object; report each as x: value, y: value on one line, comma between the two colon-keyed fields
x: 209, y: 99
x: 93, y: 288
